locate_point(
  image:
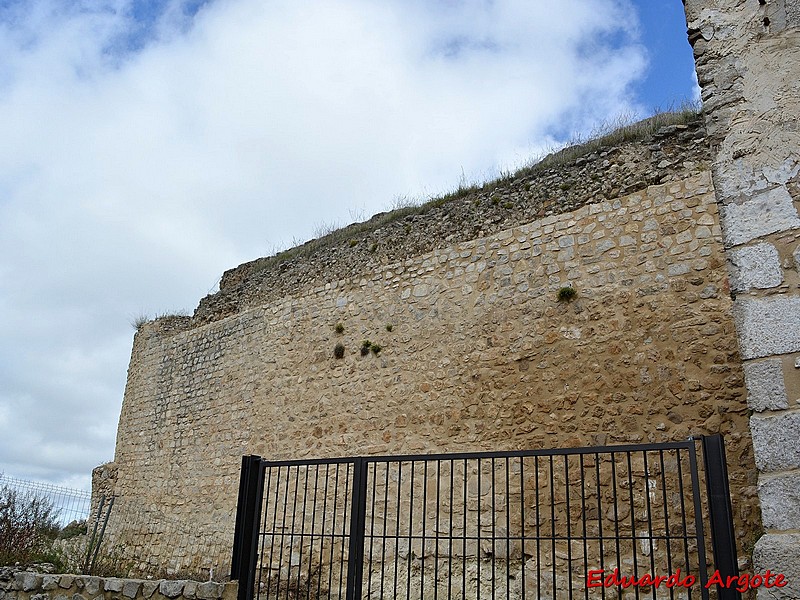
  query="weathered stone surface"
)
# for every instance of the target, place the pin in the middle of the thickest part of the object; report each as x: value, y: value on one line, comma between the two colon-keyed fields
x: 778, y: 553
x: 230, y: 590
x: 775, y: 441
x: 112, y: 584
x: 149, y: 587
x: 780, y: 500
x: 756, y: 266
x: 27, y: 582
x: 171, y: 589
x: 209, y: 591
x: 92, y: 585
x: 768, y: 326
x: 190, y: 590
x: 765, y: 386
x: 49, y: 582
x: 42, y: 596
x: 765, y: 213
x: 66, y: 581
x: 130, y: 588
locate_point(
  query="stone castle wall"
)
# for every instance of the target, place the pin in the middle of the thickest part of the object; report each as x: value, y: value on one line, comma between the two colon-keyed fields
x: 481, y: 355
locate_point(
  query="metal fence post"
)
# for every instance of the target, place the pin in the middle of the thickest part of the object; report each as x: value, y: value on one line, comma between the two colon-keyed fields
x: 721, y: 515
x: 355, y: 554
x: 248, y: 517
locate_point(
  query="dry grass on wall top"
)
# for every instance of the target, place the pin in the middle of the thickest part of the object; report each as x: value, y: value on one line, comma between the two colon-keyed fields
x: 662, y: 149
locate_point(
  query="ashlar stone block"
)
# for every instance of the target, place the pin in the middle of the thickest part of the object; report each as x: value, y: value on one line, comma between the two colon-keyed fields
x: 775, y: 441
x: 767, y: 326
x: 765, y: 213
x: 766, y: 389
x: 756, y: 266
x: 780, y: 500
x: 778, y: 553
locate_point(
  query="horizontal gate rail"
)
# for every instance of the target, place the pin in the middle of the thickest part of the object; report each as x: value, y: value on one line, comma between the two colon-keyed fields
x: 564, y: 523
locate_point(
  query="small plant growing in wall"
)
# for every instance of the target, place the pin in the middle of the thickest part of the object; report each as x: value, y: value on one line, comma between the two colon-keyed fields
x: 376, y: 348
x: 338, y: 328
x: 365, y: 346
x: 338, y: 350
x: 389, y: 327
x: 567, y: 294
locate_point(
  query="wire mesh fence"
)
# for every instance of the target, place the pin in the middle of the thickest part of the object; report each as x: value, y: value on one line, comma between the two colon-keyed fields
x: 69, y: 504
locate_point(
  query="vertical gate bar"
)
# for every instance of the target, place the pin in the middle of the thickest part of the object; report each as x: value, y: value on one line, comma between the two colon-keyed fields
x: 351, y: 494
x: 698, y: 520
x: 553, y: 524
x: 385, y: 522
x: 538, y: 529
x: 291, y: 531
x: 723, y: 541
x: 283, y: 533
x: 685, y: 526
x: 522, y: 520
x: 649, y: 506
x: 494, y: 539
x: 666, y: 518
x: 274, y: 522
x: 302, y: 532
x: 410, y: 532
x: 311, y: 535
x: 464, y: 536
x: 263, y: 525
x: 372, y: 527
x: 333, y: 530
x: 424, y: 525
x: 616, y: 513
x: 600, y: 519
x: 450, y: 535
x: 322, y: 531
x: 569, y: 528
x: 436, y: 525
x: 583, y: 521
x: 355, y: 554
x: 397, y: 524
x: 633, y: 520
x: 508, y: 529
x: 478, y: 543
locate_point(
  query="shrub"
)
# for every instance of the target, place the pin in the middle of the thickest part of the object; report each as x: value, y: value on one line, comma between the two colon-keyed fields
x: 566, y: 294
x: 338, y: 328
x: 365, y: 346
x: 338, y: 351
x: 389, y: 327
x: 27, y: 526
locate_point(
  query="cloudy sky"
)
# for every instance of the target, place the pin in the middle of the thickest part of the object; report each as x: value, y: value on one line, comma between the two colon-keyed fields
x: 148, y: 145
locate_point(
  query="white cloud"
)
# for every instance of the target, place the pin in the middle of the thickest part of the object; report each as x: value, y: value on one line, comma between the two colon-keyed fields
x: 129, y: 180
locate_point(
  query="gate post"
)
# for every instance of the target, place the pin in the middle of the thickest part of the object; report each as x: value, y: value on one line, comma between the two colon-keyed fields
x: 248, y: 517
x: 723, y: 540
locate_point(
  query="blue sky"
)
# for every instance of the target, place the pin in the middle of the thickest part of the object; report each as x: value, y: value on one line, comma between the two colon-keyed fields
x: 151, y: 145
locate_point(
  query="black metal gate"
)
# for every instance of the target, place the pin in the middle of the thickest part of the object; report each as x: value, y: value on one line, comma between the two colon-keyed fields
x: 601, y: 522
